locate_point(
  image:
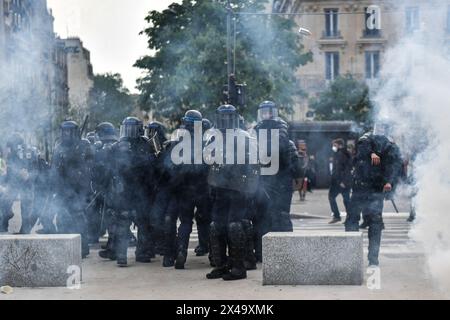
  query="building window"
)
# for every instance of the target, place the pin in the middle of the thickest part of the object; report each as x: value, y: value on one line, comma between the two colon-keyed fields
x: 331, y: 23
x: 412, y: 19
x: 331, y: 65
x: 372, y: 64
x: 6, y: 8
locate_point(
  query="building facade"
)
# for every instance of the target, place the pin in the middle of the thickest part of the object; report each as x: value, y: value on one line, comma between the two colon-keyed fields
x: 80, y: 76
x: 347, y: 39
x: 25, y: 67
x: 43, y: 78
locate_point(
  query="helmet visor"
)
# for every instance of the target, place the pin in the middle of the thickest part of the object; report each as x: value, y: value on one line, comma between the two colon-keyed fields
x: 69, y: 134
x: 131, y: 131
x: 267, y: 114
x: 227, y: 121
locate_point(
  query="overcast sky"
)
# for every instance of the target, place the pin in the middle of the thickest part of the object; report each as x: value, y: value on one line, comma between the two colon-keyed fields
x: 109, y: 29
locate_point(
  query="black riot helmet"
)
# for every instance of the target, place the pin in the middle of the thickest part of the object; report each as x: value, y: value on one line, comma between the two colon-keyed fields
x: 156, y: 132
x: 190, y: 118
x: 106, y: 131
x: 70, y: 132
x: 227, y: 117
x: 131, y: 128
x: 156, y: 129
x: 206, y: 124
x: 267, y: 110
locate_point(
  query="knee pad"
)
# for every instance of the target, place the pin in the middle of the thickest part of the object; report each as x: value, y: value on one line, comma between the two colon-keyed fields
x: 216, y: 229
x: 247, y: 224
x: 235, y: 229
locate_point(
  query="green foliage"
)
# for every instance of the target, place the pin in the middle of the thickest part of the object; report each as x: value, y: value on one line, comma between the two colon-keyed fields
x: 189, y: 70
x: 345, y: 99
x: 109, y: 100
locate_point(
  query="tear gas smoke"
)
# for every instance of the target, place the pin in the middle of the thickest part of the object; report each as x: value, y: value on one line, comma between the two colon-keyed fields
x: 414, y: 96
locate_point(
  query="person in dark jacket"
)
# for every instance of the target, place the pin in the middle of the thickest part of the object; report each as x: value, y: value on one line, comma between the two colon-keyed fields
x: 340, y: 178
x: 375, y: 170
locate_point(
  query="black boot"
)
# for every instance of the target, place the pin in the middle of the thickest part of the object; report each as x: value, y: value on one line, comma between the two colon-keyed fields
x: 143, y: 259
x: 107, y: 254
x: 144, y: 249
x: 218, y: 251
x: 170, y: 238
x: 217, y: 273
x: 180, y: 260
x: 168, y: 261
x: 122, y: 262
x: 122, y: 237
x: 201, y: 251
x: 108, y: 250
x: 237, y: 239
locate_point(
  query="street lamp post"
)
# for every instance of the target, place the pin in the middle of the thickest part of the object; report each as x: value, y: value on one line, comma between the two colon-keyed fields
x: 229, y: 17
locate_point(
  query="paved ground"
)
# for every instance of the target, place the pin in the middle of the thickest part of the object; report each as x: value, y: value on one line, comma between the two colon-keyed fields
x: 403, y: 275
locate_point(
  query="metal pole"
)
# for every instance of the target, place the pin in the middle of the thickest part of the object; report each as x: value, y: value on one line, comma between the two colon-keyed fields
x: 229, y: 13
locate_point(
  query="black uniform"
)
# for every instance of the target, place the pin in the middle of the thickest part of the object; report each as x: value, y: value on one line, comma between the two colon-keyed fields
x: 25, y: 169
x: 129, y: 195
x: 188, y: 187
x: 71, y: 175
x: 98, y: 217
x: 203, y: 212
x: 232, y: 185
x: 160, y: 196
x: 276, y: 189
x: 368, y: 183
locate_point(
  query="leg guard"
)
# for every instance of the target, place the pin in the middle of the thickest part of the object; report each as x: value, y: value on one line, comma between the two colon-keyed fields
x: 121, y: 237
x: 236, y: 237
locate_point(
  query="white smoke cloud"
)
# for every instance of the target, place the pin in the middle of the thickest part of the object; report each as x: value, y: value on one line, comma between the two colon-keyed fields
x: 414, y: 94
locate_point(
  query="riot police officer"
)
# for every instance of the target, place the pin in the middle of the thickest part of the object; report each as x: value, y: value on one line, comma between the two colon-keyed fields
x: 278, y: 187
x: 98, y: 217
x: 188, y: 181
x: 375, y: 170
x: 25, y: 166
x: 231, y: 183
x: 132, y: 158
x: 71, y: 175
x: 203, y: 212
x: 156, y: 133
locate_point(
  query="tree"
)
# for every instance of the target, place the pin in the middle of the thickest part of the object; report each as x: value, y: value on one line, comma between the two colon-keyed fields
x: 345, y: 99
x: 189, y: 70
x: 109, y: 100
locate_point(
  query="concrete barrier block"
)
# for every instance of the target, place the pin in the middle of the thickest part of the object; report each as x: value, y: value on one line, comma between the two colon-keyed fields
x: 38, y: 260
x: 313, y: 258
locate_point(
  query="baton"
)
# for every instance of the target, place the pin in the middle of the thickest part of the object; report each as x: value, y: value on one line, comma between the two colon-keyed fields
x: 93, y: 201
x: 395, y: 206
